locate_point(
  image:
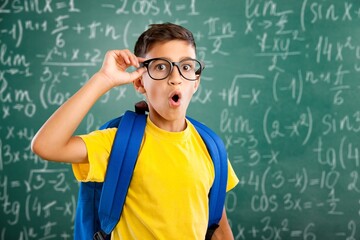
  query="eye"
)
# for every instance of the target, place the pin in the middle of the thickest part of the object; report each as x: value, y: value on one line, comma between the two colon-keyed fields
x: 161, y: 67
x: 187, y: 67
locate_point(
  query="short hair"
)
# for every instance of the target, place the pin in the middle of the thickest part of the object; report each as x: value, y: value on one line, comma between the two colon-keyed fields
x: 161, y: 33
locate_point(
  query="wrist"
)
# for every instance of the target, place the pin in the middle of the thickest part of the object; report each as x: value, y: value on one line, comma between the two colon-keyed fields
x: 104, y: 81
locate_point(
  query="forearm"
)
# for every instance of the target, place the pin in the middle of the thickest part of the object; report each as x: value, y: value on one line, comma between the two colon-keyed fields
x: 223, y: 232
x: 52, y: 139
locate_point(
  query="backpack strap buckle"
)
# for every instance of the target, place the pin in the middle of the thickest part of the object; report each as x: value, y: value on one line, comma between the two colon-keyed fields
x: 100, y: 235
x: 210, y: 231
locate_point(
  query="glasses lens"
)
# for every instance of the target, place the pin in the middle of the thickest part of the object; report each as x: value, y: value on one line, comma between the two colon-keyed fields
x: 190, y: 68
x: 159, y: 69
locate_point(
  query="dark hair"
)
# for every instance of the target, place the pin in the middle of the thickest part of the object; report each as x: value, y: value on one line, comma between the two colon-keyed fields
x: 161, y: 33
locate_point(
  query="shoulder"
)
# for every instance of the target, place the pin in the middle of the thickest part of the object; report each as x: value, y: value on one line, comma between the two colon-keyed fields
x: 104, y: 136
x: 202, y: 128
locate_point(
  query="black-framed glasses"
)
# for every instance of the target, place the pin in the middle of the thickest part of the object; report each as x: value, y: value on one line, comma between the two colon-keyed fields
x: 161, y: 68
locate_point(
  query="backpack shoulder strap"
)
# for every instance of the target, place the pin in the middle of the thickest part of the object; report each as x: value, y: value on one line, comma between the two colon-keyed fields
x: 126, y: 145
x: 218, y: 155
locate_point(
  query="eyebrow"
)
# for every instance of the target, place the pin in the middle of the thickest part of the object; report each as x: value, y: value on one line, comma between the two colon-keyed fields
x: 181, y: 59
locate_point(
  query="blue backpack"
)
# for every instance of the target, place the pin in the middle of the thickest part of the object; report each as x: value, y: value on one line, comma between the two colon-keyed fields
x: 100, y: 205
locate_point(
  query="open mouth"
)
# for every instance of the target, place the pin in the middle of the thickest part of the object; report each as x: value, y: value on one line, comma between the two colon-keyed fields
x: 175, y: 98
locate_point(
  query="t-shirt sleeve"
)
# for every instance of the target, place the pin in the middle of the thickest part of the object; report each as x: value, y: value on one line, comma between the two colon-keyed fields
x: 232, y: 178
x: 98, y: 145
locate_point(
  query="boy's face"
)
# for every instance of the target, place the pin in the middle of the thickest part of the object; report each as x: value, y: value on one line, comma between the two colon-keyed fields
x: 168, y: 99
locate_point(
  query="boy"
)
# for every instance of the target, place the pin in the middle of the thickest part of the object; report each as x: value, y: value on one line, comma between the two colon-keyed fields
x: 168, y: 193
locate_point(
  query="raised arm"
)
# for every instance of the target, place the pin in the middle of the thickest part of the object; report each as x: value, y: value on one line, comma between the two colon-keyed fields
x: 55, y: 141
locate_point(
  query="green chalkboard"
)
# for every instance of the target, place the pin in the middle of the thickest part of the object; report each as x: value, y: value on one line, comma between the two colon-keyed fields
x: 281, y: 87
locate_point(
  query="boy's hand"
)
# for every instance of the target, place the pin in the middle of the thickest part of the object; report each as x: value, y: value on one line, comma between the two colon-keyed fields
x: 115, y: 64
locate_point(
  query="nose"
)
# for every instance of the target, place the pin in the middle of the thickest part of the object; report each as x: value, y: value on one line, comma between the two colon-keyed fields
x: 175, y: 77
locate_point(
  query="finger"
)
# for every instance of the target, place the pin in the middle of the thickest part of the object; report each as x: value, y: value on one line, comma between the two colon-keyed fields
x: 134, y: 60
x: 125, y: 55
x: 131, y: 59
x: 141, y: 59
x: 137, y: 73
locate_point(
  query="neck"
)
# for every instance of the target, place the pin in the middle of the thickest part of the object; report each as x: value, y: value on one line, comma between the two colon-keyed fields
x: 176, y: 125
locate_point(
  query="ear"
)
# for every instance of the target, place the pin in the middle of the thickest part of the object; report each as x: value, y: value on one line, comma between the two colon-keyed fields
x: 139, y: 86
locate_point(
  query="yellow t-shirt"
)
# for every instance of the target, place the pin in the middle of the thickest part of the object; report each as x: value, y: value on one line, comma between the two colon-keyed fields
x: 168, y: 193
